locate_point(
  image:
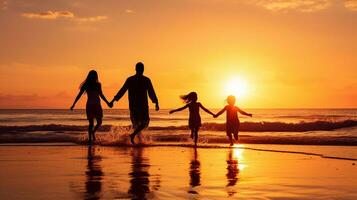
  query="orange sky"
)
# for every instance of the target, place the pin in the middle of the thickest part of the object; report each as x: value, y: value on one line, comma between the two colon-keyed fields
x: 290, y: 53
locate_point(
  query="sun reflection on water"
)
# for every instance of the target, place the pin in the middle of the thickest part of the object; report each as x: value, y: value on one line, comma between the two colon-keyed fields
x: 238, y: 154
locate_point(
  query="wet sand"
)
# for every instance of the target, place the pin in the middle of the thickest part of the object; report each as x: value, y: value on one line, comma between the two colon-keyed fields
x: 68, y: 171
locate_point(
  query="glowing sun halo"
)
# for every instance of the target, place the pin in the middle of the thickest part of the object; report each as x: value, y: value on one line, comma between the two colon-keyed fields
x: 237, y: 87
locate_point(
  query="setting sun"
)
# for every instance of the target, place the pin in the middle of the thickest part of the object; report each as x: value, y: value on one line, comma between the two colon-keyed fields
x: 237, y: 87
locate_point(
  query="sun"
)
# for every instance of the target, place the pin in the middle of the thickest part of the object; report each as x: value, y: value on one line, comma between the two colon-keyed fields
x: 237, y: 87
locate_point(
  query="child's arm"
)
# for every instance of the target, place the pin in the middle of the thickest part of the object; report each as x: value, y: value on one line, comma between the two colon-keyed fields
x: 219, y: 113
x: 103, y: 97
x: 179, y: 109
x: 244, y: 113
x: 206, y: 110
x: 77, y: 98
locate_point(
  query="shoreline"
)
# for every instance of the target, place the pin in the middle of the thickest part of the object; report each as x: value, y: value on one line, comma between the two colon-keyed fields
x: 189, y: 146
x: 205, y: 137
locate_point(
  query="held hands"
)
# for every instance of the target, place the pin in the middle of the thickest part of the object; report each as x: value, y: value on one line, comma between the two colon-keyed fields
x: 215, y: 115
x: 110, y: 104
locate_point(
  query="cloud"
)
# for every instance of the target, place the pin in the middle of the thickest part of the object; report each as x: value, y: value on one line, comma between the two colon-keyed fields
x: 52, y: 15
x: 129, y: 11
x: 91, y: 19
x: 289, y: 5
x: 49, y: 15
x: 351, y: 5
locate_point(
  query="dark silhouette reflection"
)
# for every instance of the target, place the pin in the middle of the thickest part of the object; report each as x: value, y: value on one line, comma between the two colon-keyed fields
x: 195, y: 172
x: 139, y: 182
x: 94, y: 175
x: 232, y: 171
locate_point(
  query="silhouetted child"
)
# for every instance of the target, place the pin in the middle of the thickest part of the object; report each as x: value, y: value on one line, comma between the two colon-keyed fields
x: 194, y: 122
x: 94, y: 110
x: 232, y: 123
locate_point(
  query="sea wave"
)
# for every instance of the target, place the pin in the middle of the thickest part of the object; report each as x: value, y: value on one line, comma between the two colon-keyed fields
x: 244, y: 126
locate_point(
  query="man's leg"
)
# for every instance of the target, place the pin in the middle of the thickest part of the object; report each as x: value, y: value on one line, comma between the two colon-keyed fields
x: 137, y: 130
x: 140, y: 120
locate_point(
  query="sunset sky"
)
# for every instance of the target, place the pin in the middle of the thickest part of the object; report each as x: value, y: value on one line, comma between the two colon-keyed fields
x: 287, y: 53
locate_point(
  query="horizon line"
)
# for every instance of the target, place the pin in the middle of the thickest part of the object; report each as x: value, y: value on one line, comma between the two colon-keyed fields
x: 295, y: 108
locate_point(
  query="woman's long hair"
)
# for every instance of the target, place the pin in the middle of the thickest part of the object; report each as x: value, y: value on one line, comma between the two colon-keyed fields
x: 190, y: 97
x: 91, y: 82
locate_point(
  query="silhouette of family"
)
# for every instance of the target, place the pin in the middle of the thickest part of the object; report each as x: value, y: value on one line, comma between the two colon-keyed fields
x: 139, y: 88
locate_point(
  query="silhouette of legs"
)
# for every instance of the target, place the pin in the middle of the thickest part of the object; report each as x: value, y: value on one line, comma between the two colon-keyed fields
x: 90, y: 129
x: 137, y: 130
x: 99, y: 123
x: 229, y: 135
x: 236, y: 136
x: 194, y: 135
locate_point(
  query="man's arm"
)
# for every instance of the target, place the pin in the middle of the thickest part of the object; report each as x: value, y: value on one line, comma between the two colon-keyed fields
x: 152, y: 95
x: 121, y: 92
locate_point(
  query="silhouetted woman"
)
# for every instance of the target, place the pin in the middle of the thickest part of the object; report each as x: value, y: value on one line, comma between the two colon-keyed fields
x: 232, y: 122
x: 194, y: 122
x: 94, y: 110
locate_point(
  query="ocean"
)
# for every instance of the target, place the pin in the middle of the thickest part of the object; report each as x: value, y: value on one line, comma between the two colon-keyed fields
x: 267, y: 126
x: 283, y: 154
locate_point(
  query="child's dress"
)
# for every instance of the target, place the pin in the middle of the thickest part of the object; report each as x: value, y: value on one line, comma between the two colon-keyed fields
x: 194, y: 121
x: 232, y: 125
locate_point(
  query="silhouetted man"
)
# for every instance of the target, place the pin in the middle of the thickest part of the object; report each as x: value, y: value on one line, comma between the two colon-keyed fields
x: 139, y: 86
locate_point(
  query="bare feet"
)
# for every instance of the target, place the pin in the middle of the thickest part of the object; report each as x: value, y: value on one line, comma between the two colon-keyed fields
x: 132, y: 139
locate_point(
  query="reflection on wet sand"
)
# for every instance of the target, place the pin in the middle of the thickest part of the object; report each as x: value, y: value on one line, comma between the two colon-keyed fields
x: 139, y: 176
x: 232, y: 171
x: 94, y: 174
x: 195, y: 173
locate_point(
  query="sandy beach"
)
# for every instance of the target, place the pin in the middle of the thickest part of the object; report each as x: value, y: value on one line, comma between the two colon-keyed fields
x: 70, y: 171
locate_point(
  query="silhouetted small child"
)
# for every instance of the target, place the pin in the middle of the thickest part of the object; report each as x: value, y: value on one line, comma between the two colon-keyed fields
x: 94, y: 110
x: 232, y: 123
x: 194, y: 122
